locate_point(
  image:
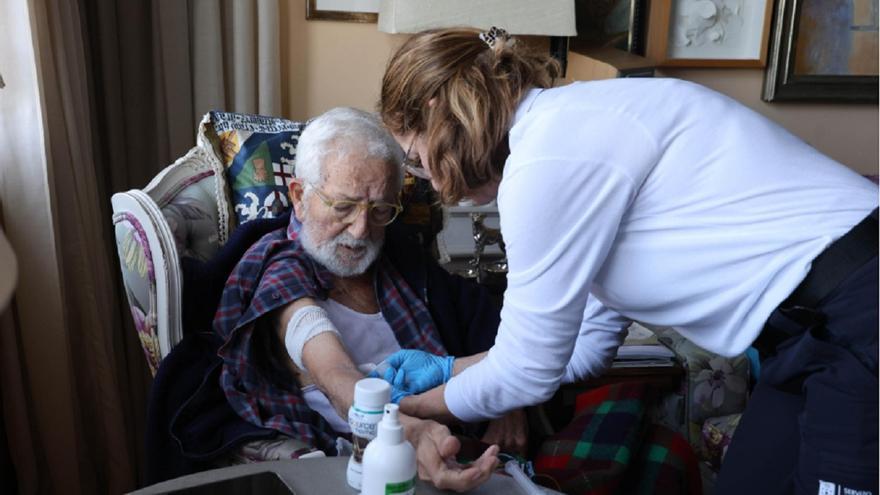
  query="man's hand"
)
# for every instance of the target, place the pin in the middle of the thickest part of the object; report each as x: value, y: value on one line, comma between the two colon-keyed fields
x: 510, y: 432
x: 418, y: 371
x: 435, y: 452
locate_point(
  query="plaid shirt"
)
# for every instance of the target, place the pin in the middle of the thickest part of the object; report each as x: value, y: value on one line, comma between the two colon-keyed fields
x: 273, y: 273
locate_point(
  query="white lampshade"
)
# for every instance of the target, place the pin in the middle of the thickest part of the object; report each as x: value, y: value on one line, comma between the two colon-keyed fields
x: 8, y: 271
x: 545, y: 17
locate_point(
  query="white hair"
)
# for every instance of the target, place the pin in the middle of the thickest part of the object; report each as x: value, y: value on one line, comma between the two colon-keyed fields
x: 346, y: 133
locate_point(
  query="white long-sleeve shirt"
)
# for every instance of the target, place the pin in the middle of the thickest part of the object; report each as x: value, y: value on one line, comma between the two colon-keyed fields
x: 655, y: 200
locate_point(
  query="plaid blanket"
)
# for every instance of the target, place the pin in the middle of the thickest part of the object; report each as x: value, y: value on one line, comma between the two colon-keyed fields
x: 609, y: 447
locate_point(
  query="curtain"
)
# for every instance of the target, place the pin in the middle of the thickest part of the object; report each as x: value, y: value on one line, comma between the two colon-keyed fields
x: 120, y: 88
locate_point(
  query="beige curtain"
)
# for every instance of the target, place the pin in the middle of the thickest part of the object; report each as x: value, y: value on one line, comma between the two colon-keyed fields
x: 100, y: 96
x: 236, y: 56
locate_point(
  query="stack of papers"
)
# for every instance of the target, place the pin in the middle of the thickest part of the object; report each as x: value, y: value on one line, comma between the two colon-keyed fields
x: 642, y: 349
x: 643, y: 355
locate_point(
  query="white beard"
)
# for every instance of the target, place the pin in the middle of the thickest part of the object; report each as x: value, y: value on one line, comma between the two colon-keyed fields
x: 328, y: 255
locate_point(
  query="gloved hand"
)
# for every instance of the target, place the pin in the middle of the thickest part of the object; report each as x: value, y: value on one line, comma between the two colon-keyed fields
x: 415, y: 371
x: 397, y: 381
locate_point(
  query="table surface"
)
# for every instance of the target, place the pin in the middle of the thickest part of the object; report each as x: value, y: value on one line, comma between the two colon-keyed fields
x: 321, y: 475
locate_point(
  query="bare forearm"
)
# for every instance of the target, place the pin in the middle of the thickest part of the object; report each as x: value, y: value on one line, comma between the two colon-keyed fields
x: 326, y: 362
x: 332, y: 370
x: 462, y: 363
x: 429, y: 405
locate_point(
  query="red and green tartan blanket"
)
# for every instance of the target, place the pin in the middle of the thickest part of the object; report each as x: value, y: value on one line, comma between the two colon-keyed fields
x: 610, y: 447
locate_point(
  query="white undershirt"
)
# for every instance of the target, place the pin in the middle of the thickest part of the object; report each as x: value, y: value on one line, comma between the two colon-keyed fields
x: 654, y: 200
x: 367, y: 338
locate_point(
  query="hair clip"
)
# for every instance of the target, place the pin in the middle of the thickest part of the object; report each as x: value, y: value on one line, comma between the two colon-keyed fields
x: 491, y: 36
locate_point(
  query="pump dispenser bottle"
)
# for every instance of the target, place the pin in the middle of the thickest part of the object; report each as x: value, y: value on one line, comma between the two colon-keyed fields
x: 370, y: 394
x: 389, y: 460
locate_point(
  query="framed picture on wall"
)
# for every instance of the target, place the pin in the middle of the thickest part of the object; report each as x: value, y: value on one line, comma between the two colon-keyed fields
x: 709, y: 33
x: 823, y: 50
x: 343, y: 10
x: 610, y: 23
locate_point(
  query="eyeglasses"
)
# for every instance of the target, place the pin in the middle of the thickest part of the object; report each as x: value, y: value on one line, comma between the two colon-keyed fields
x: 379, y: 213
x: 414, y: 165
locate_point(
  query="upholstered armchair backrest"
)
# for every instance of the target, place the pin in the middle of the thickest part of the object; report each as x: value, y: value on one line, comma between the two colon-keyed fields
x: 238, y: 170
x: 176, y: 214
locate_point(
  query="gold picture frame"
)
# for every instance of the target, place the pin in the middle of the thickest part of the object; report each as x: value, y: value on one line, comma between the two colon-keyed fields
x: 360, y: 11
x: 735, y: 34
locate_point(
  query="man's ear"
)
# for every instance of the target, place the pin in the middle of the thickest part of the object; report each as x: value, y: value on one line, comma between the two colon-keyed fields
x: 295, y: 192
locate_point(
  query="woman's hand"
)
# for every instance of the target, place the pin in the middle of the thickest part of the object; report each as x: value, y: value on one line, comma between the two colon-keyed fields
x: 435, y: 453
x: 510, y: 432
x: 417, y: 371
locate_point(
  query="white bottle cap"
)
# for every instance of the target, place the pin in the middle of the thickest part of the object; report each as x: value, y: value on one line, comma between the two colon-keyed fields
x: 371, y: 394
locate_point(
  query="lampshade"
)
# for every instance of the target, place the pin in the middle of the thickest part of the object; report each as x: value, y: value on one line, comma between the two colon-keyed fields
x: 546, y: 17
x: 8, y: 271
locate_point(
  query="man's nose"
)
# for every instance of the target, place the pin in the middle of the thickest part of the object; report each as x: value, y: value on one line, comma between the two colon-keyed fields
x: 359, y: 227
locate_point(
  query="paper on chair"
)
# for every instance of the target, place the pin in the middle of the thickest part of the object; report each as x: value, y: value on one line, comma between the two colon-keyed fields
x: 632, y: 352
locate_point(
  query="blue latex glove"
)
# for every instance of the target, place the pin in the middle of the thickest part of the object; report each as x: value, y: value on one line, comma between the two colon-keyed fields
x: 417, y: 371
x: 397, y: 381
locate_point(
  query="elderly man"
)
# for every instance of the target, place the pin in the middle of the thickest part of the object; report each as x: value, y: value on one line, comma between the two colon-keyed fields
x: 324, y: 288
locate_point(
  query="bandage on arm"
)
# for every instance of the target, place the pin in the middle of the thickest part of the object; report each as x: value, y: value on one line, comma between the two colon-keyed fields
x: 306, y: 323
x: 323, y: 358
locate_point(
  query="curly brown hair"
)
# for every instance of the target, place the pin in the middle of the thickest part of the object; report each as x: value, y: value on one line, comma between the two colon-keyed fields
x: 460, y: 94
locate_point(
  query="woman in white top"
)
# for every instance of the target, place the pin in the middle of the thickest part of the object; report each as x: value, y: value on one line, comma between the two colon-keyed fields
x: 655, y: 200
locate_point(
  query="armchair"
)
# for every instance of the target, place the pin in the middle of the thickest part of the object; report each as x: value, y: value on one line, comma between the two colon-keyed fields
x: 175, y: 239
x: 177, y: 213
x: 189, y: 210
x: 238, y: 171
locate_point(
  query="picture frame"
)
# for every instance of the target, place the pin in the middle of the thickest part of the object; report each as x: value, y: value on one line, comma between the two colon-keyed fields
x: 709, y: 33
x: 618, y: 24
x: 835, y: 59
x: 343, y: 10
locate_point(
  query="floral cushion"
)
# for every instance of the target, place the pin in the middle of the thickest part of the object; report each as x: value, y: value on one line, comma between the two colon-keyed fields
x: 715, y: 386
x: 258, y: 154
x: 716, y: 436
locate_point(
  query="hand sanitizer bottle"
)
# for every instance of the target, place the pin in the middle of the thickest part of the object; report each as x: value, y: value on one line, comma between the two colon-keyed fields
x: 390, y: 460
x: 370, y: 394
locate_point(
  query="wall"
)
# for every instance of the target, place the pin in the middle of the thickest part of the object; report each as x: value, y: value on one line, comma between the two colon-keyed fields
x: 847, y: 132
x: 341, y: 63
x: 331, y: 63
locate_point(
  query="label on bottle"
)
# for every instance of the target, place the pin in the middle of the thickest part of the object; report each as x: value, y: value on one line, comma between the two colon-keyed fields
x: 363, y: 424
x: 402, y: 488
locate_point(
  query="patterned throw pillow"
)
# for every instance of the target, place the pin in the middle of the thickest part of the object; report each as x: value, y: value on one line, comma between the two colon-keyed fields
x: 258, y: 153
x: 717, y: 386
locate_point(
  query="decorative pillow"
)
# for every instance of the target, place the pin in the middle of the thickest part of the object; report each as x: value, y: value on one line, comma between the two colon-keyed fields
x: 258, y: 153
x: 716, y: 386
